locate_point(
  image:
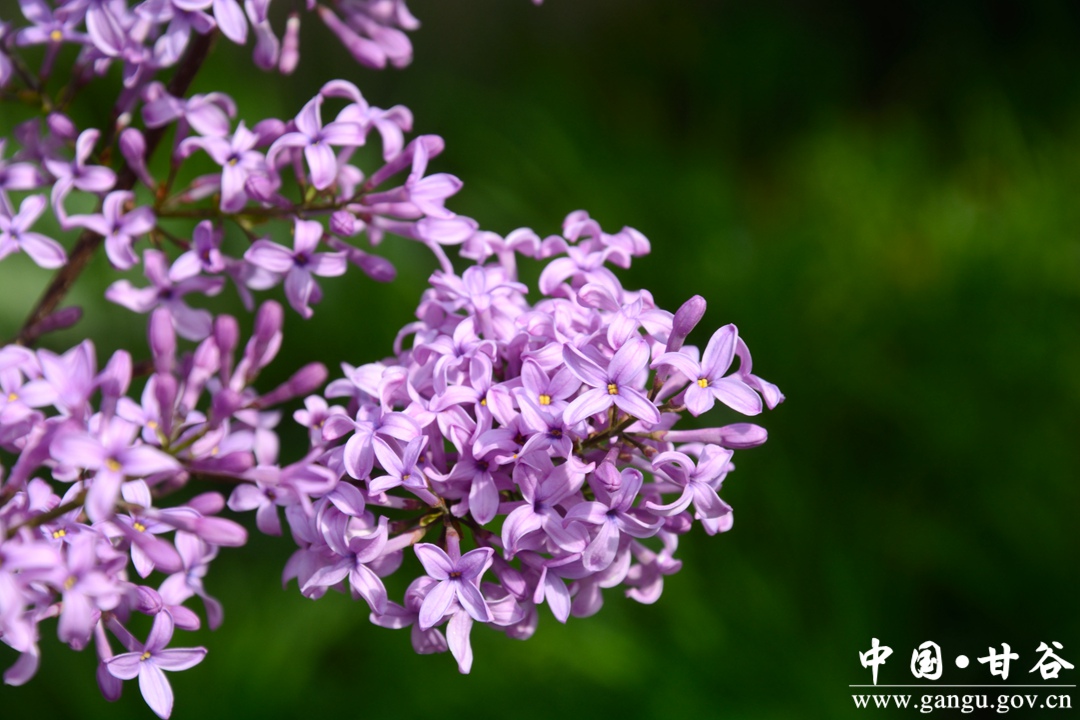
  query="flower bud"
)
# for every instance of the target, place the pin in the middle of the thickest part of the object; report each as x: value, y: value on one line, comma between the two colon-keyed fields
x: 686, y: 319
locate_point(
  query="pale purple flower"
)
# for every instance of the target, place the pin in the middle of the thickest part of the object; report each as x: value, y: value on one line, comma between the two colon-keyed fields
x: 238, y: 160
x: 299, y: 264
x: 150, y: 659
x: 119, y: 229
x: 316, y: 140
x: 613, y: 385
x: 459, y: 578
x: 15, y: 235
x: 78, y: 174
x: 167, y: 289
x: 707, y: 378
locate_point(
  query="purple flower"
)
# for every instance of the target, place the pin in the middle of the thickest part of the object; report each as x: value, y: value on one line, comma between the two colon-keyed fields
x: 299, y: 264
x: 611, y: 386
x: 167, y: 289
x: 77, y: 174
x: 150, y: 660
x: 238, y: 161
x: 699, y: 484
x: 112, y: 456
x: 708, y: 383
x: 118, y: 229
x: 15, y: 235
x: 316, y: 139
x: 459, y: 577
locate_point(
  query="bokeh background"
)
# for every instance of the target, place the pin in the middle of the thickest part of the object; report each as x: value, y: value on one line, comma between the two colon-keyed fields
x: 882, y: 196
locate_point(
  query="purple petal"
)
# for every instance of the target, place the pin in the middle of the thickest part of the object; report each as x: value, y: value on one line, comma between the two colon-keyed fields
x: 231, y: 20
x: 720, y: 351
x: 629, y: 361
x: 589, y: 372
x: 125, y: 666
x: 46, y: 252
x: 436, y: 604
x: 320, y: 159
x: 588, y: 404
x: 155, y: 689
x: 737, y: 395
x: 300, y: 288
x: 436, y: 562
x: 636, y: 404
x: 179, y: 658
x: 699, y: 400
x: 470, y: 598
x: 270, y: 256
x: 457, y: 637
x: 473, y: 563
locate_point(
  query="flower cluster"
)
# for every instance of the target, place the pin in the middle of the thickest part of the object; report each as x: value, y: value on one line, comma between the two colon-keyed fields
x: 542, y: 434
x: 512, y: 453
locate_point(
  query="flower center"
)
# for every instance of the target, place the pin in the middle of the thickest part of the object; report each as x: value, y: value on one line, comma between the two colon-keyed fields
x: 612, y: 389
x: 56, y: 36
x: 703, y: 382
x: 455, y: 574
x: 145, y: 656
x: 12, y: 397
x: 69, y: 583
x: 545, y: 399
x: 57, y: 534
x: 138, y: 526
x: 113, y: 465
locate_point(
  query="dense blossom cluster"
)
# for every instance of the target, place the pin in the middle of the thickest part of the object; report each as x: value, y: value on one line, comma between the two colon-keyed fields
x: 511, y: 453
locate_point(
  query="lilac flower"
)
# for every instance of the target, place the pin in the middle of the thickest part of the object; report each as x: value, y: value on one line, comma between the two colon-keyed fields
x: 112, y: 456
x: 15, y: 235
x: 299, y: 264
x: 699, y: 483
x: 612, y: 385
x: 77, y: 174
x: 167, y: 289
x: 458, y: 577
x: 612, y: 511
x: 118, y: 228
x: 708, y: 382
x: 316, y: 139
x: 150, y: 659
x: 238, y: 161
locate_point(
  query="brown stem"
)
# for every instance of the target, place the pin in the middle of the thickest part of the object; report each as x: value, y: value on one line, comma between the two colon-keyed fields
x: 89, y: 241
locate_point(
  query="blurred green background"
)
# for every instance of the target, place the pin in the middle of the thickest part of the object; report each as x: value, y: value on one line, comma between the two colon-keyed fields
x: 882, y: 196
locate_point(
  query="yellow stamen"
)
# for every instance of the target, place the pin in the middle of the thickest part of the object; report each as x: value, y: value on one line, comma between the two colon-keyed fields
x: 12, y: 397
x: 138, y: 526
x: 145, y: 656
x: 612, y: 389
x: 57, y: 534
x: 703, y: 382
x: 69, y: 583
x: 56, y: 36
x: 215, y: 450
x: 112, y: 465
x: 483, y: 401
x: 545, y: 399
x: 152, y: 424
x: 405, y: 477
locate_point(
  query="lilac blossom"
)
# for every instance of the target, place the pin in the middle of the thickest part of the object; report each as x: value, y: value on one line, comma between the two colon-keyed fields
x: 15, y: 235
x: 298, y: 265
x: 149, y: 661
x: 708, y: 379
